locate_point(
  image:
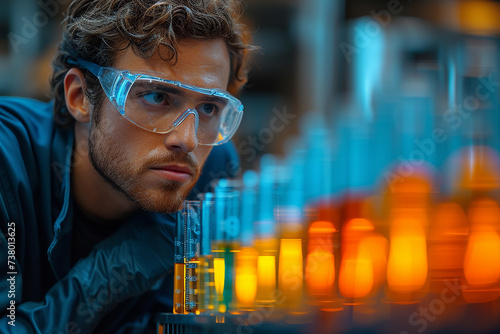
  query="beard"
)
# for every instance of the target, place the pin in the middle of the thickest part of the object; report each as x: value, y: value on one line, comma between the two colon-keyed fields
x: 110, y: 161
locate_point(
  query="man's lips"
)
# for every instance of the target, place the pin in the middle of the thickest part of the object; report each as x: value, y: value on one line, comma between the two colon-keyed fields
x: 173, y: 172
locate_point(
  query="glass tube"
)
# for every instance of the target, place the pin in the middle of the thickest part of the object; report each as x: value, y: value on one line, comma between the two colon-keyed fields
x: 225, y: 245
x: 192, y: 224
x: 207, y: 296
x: 290, y: 216
x: 246, y: 258
x: 266, y: 242
x: 179, y: 266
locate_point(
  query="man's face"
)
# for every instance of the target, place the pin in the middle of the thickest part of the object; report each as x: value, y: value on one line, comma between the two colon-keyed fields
x: 157, y: 171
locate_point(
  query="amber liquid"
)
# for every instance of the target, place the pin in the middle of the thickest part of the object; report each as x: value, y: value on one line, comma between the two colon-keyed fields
x: 191, y: 300
x: 179, y: 278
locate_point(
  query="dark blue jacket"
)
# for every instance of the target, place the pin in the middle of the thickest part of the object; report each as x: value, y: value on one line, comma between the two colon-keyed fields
x: 125, y: 280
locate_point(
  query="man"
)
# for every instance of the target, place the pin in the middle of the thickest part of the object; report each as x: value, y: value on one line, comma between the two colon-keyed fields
x: 87, y: 195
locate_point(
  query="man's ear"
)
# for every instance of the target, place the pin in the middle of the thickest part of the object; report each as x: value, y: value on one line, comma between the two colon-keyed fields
x: 76, y: 102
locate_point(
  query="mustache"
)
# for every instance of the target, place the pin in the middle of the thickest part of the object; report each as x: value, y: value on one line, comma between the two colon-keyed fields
x: 172, y: 158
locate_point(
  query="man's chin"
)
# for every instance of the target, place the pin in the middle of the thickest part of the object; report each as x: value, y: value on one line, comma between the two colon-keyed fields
x: 167, y: 200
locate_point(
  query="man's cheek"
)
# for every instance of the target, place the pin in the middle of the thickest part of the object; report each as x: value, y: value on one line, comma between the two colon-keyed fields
x: 201, y: 162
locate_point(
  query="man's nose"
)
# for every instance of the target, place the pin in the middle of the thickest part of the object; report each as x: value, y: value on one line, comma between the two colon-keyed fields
x: 184, y: 136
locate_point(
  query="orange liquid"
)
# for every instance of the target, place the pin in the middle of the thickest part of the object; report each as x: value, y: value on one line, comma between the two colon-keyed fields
x: 179, y: 277
x: 191, y: 299
x: 290, y: 276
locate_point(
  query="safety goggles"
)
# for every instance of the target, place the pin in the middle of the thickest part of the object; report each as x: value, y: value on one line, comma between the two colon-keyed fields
x: 159, y: 105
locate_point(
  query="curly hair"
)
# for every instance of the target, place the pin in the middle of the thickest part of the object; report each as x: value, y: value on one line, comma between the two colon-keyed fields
x: 96, y: 30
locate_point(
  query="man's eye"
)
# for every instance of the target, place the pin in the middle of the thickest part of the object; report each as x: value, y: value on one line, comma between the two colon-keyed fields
x: 155, y: 98
x: 209, y: 109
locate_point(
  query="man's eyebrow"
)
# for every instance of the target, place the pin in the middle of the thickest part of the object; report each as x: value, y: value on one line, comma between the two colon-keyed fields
x: 163, y: 88
x: 216, y: 99
x: 172, y: 89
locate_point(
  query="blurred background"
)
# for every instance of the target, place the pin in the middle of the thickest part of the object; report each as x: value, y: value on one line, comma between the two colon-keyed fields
x: 292, y: 39
x: 327, y: 56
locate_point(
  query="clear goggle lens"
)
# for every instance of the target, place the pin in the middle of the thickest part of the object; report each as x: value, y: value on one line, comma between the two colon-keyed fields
x: 160, y: 105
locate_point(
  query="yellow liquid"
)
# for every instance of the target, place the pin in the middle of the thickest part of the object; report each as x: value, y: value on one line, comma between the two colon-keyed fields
x: 207, y: 295
x: 290, y: 274
x: 246, y: 278
x: 219, y: 271
x: 266, y: 279
x: 224, y: 279
x: 267, y: 249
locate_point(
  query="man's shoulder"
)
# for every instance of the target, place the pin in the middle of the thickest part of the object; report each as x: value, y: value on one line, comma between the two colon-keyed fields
x: 26, y: 111
x: 30, y: 141
x: 26, y: 128
x: 33, y: 156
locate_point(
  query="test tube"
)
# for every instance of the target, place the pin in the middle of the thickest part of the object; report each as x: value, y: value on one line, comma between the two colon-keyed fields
x: 482, y: 255
x: 207, y: 296
x: 228, y: 229
x: 320, y: 263
x: 290, y: 213
x: 179, y: 266
x: 246, y: 258
x: 266, y: 241
x: 407, y: 262
x: 192, y: 216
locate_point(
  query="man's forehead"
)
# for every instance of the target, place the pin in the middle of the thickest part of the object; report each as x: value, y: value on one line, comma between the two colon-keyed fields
x: 203, y: 63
